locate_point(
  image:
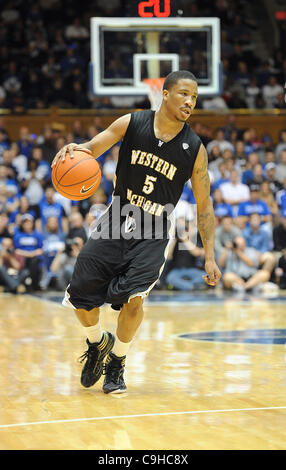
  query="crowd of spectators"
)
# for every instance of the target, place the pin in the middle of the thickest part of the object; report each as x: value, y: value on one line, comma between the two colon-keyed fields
x: 45, y: 54
x: 44, y: 61
x: 248, y: 189
x: 41, y: 232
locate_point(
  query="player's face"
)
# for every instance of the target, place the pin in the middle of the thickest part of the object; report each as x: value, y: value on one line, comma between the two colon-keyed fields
x: 181, y: 99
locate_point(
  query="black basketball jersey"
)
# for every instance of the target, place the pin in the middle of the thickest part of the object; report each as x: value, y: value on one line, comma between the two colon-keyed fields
x: 151, y: 173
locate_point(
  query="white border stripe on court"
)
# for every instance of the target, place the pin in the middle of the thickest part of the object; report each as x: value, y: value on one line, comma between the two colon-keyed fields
x: 145, y: 415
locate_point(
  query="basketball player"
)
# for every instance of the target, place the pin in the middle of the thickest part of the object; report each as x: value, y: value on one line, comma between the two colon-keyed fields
x: 158, y: 154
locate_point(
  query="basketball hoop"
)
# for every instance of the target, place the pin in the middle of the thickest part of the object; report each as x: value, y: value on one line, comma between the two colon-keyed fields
x: 155, y: 86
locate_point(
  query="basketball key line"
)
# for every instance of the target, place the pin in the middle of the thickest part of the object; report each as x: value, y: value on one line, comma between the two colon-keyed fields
x: 145, y: 415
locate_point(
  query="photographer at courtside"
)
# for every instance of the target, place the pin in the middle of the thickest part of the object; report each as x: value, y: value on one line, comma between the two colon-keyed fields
x: 244, y: 268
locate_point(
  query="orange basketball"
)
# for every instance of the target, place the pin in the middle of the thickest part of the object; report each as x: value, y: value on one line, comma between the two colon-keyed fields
x: 78, y: 177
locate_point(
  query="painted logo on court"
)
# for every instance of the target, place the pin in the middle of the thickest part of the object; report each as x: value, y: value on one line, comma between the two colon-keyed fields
x: 259, y: 336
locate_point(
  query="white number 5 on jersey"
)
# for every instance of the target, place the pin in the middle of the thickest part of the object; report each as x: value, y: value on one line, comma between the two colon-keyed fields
x: 149, y: 184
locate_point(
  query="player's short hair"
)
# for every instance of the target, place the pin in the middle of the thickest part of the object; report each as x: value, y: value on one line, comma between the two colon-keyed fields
x: 174, y: 77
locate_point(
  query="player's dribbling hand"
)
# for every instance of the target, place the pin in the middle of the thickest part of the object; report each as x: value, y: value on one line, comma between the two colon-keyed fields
x: 213, y: 275
x: 68, y: 149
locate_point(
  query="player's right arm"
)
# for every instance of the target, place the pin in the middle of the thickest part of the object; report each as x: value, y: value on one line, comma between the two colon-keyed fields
x: 101, y: 142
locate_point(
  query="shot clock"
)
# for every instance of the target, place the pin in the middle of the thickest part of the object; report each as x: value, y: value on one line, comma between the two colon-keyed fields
x: 157, y: 8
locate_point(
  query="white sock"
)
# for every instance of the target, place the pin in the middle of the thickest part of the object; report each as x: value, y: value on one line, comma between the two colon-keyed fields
x: 120, y: 349
x: 93, y: 333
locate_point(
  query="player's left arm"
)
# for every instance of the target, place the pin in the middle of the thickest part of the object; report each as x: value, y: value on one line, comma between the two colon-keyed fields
x: 205, y: 214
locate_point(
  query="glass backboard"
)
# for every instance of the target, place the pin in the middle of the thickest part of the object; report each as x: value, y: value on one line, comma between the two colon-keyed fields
x: 125, y: 51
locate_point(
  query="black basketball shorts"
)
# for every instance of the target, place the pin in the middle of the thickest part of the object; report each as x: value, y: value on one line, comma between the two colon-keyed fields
x: 114, y: 270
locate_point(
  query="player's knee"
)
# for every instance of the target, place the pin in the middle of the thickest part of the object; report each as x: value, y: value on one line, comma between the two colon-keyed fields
x: 134, y: 307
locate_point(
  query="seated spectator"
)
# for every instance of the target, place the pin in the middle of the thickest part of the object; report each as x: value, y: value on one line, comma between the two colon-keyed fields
x: 9, y: 185
x: 265, y: 147
x: 279, y: 233
x: 252, y: 160
x: 76, y: 30
x: 19, y: 162
x: 221, y: 175
x: 234, y: 192
x: 274, y: 185
x: 251, y: 92
x: 50, y: 208
x: 270, y: 92
x: 256, y: 236
x: 4, y: 145
x: 245, y: 268
x: 280, y: 194
x: 226, y: 157
x: 215, y: 155
x: 53, y: 242
x: 7, y: 161
x: 44, y: 169
x: 239, y: 154
x: 48, y: 144
x: 283, y: 203
x: 186, y: 266
x: 63, y: 264
x: 281, y: 145
x: 76, y: 227
x: 225, y: 234
x: 254, y: 204
x: 12, y: 274
x: 280, y: 271
x: 242, y: 75
x: 97, y: 205
x: 280, y: 101
x: 25, y: 143
x: 29, y: 244
x: 69, y: 206
x: 258, y: 176
x: 249, y: 145
x: 267, y: 196
x: 4, y: 227
x: 220, y: 141
x: 221, y: 208
x: 23, y: 208
x: 32, y: 186
x: 280, y: 172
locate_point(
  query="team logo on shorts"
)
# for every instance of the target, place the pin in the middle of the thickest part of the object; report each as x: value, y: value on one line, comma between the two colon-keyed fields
x: 185, y: 146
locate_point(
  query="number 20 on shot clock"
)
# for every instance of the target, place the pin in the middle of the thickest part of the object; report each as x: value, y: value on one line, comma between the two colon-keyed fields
x: 150, y: 8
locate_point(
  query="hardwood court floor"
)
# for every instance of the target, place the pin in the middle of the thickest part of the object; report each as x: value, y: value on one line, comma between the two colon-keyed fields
x: 182, y: 394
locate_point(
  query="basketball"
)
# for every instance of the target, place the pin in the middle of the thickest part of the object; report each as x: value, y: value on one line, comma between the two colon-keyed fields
x: 76, y: 178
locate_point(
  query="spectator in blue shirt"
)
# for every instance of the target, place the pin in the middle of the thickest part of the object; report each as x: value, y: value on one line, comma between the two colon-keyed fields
x: 256, y: 236
x: 221, y: 208
x: 283, y: 203
x: 53, y: 242
x: 245, y: 209
x: 49, y: 208
x: 24, y: 208
x: 187, y: 194
x: 4, y: 145
x: 24, y: 142
x: 9, y: 186
x: 29, y: 244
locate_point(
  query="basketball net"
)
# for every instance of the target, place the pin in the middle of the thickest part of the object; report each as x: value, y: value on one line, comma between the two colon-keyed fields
x: 155, y: 96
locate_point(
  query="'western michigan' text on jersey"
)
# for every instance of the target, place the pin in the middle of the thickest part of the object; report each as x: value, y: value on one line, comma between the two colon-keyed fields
x: 151, y: 173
